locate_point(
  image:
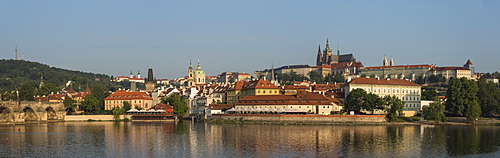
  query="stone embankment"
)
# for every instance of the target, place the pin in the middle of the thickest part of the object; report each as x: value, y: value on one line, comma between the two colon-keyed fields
x: 339, y: 119
x: 313, y: 119
x: 94, y: 117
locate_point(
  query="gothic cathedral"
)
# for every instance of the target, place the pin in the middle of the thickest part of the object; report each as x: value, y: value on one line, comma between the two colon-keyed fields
x: 327, y: 57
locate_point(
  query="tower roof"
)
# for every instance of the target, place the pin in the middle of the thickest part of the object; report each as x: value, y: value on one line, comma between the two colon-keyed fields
x: 328, y: 49
x: 468, y: 62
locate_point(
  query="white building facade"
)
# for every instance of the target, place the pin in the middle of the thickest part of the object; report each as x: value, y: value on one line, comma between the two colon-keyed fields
x: 405, y: 90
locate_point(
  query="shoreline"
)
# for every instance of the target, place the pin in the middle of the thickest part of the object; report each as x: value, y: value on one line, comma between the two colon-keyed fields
x: 451, y: 121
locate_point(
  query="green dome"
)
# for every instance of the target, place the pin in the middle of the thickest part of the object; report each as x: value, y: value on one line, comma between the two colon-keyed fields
x: 199, y: 72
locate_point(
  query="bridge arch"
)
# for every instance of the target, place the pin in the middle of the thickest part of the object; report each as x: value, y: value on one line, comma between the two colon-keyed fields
x: 51, y: 114
x: 6, y: 115
x: 29, y: 115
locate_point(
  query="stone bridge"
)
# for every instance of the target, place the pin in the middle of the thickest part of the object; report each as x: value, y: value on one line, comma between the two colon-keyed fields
x: 12, y: 112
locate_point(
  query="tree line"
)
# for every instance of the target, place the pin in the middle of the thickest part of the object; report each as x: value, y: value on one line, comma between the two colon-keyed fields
x: 359, y: 100
x: 313, y: 76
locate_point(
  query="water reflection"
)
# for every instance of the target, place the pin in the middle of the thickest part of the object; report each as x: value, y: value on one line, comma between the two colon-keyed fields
x: 187, y: 139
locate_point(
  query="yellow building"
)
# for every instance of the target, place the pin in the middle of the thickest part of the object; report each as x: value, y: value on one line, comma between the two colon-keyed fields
x: 136, y: 99
x: 405, y: 90
x: 241, y: 89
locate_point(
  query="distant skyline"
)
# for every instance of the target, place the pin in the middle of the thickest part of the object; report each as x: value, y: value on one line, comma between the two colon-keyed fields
x: 113, y: 37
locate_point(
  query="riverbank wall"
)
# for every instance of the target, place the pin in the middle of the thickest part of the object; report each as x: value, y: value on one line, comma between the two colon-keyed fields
x: 94, y: 117
x: 300, y: 118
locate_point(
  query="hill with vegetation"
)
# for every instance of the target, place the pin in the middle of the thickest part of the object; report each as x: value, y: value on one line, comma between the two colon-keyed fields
x: 15, y: 73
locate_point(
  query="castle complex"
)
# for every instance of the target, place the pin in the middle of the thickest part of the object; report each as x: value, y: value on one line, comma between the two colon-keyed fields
x: 327, y: 58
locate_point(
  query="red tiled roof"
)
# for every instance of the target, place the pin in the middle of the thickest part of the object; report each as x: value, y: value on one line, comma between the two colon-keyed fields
x: 468, y: 62
x: 162, y: 106
x: 400, y: 66
x: 449, y: 68
x: 220, y: 106
x: 322, y: 66
x: 71, y: 90
x: 261, y: 84
x: 346, y: 65
x: 55, y: 96
x: 124, y: 95
x: 42, y: 99
x: 243, y: 74
x: 382, y: 81
x: 309, y: 99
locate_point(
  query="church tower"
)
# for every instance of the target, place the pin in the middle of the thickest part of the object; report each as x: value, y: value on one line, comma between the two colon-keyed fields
x: 327, y: 54
x: 391, y: 62
x: 470, y: 66
x: 150, y: 81
x: 319, y: 58
x: 190, y: 78
x: 199, y: 75
x: 385, y: 63
x: 138, y: 73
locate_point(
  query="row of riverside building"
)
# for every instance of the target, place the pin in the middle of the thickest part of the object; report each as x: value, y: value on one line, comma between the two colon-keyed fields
x: 246, y: 94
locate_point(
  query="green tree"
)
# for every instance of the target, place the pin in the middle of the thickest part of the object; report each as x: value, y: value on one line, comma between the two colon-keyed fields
x: 338, y: 77
x: 372, y: 102
x: 180, y: 106
x: 315, y: 76
x: 47, y: 89
x: 99, y: 94
x: 394, y: 107
x: 117, y: 111
x: 488, y: 96
x: 91, y: 104
x: 69, y: 104
x: 433, y: 79
x: 473, y: 111
x: 420, y: 80
x: 435, y: 111
x: 355, y: 100
x: 462, y: 98
x: 26, y: 93
x: 126, y: 105
x: 429, y: 94
x: 138, y: 108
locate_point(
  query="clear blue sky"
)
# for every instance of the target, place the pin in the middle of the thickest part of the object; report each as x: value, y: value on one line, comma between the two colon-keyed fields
x: 115, y: 36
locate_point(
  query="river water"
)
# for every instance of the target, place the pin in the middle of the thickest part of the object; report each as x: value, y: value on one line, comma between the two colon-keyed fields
x: 194, y: 139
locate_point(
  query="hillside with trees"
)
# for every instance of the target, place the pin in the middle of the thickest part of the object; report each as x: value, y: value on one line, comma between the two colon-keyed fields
x: 15, y: 73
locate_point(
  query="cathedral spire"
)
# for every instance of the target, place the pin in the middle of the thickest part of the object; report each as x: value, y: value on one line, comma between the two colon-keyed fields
x: 190, y: 64
x: 338, y: 49
x: 319, y: 57
x: 392, y: 62
x: 327, y: 49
